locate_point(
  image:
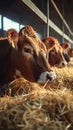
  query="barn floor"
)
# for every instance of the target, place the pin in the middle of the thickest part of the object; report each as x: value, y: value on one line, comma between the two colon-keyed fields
x: 29, y: 106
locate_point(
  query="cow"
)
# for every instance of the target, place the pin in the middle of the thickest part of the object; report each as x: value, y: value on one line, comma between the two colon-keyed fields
x: 28, y: 60
x: 65, y: 46
x: 70, y: 53
x: 12, y: 36
x: 68, y: 50
x: 55, y: 52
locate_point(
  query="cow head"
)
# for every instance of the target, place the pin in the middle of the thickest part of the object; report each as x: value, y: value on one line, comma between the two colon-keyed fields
x: 55, y: 57
x: 67, y: 50
x: 30, y: 58
x: 12, y: 36
x: 70, y: 53
x: 65, y: 46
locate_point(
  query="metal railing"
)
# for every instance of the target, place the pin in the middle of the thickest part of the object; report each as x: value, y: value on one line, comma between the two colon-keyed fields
x: 37, y: 11
x: 60, y: 15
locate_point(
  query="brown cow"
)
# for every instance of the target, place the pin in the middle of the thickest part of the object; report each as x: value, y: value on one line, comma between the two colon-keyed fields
x: 29, y: 59
x: 65, y: 45
x: 67, y: 49
x: 12, y: 36
x: 55, y: 52
x: 70, y: 53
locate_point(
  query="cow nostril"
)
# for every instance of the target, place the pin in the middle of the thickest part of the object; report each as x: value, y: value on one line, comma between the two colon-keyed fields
x: 49, y: 77
x: 64, y: 63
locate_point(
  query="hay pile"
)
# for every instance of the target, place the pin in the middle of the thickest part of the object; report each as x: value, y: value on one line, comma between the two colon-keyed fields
x: 29, y: 106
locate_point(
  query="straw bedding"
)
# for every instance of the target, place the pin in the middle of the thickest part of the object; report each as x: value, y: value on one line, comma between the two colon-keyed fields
x: 29, y: 106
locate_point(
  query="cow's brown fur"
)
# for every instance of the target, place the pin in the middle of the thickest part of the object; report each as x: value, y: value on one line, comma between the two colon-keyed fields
x: 56, y: 57
x: 28, y: 59
x: 67, y: 48
x: 12, y: 36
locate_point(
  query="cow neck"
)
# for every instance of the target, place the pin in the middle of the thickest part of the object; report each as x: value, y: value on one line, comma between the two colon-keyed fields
x: 14, y: 57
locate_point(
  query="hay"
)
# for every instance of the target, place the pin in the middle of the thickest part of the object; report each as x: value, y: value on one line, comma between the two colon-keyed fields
x: 29, y: 106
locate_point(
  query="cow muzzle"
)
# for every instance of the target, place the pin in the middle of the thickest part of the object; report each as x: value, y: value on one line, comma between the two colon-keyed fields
x: 62, y: 64
x: 46, y: 76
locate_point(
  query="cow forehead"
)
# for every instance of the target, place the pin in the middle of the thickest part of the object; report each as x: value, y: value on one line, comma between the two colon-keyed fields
x: 31, y: 37
x: 36, y: 46
x: 57, y: 46
x: 28, y: 30
x: 71, y: 50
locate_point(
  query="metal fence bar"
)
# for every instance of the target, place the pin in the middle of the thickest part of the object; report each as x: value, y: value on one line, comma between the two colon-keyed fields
x: 47, y: 18
x: 58, y: 30
x: 37, y: 11
x: 34, y: 8
x: 59, y: 13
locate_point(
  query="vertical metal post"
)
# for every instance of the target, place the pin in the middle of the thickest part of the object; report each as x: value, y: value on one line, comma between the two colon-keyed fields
x: 47, y: 25
x: 63, y: 20
x: 2, y: 22
x: 47, y: 18
x: 1, y: 33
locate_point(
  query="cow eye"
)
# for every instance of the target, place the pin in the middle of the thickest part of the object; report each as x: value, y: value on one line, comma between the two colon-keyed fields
x: 27, y: 50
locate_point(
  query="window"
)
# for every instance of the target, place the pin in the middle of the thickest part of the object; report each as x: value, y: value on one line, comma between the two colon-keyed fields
x: 21, y: 26
x: 8, y: 23
x: 39, y: 35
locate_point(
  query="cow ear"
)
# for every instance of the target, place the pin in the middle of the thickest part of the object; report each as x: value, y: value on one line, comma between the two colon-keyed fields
x: 65, y: 45
x: 49, y: 43
x: 12, y: 33
x: 12, y: 36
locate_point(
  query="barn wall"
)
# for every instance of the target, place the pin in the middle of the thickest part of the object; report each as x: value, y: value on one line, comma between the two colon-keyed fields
x: 17, y: 11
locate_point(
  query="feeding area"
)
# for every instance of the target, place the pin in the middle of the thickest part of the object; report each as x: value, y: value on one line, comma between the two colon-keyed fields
x: 29, y: 106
